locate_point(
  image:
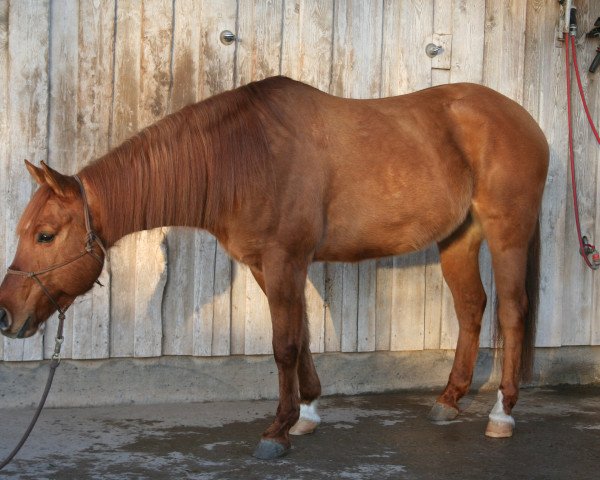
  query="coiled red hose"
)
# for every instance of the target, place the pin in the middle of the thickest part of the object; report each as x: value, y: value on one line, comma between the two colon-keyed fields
x: 570, y: 41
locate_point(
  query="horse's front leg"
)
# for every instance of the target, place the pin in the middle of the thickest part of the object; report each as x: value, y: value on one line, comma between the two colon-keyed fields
x: 308, y: 379
x: 310, y: 389
x: 285, y: 278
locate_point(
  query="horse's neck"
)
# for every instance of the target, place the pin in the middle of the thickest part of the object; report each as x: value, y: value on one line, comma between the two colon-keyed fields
x: 143, y: 184
x: 190, y: 169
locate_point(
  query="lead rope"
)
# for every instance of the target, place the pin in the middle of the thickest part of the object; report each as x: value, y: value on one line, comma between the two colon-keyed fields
x: 54, y: 363
x: 91, y: 237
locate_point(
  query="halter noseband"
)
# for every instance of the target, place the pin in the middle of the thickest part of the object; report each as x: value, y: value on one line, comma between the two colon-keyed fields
x: 90, y: 238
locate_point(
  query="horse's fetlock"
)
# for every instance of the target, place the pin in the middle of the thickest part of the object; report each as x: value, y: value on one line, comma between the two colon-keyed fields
x: 510, y: 395
x: 311, y: 392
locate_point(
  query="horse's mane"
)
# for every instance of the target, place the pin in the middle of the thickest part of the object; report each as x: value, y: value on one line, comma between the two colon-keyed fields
x: 192, y: 166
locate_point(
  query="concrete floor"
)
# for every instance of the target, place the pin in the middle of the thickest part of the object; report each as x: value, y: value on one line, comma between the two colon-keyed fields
x: 362, y: 437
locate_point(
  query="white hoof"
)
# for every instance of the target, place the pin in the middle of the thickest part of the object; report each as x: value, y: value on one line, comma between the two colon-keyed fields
x: 309, y: 419
x: 500, y: 425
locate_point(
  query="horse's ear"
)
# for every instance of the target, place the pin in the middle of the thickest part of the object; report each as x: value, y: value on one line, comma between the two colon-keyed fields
x: 36, y: 173
x: 58, y: 182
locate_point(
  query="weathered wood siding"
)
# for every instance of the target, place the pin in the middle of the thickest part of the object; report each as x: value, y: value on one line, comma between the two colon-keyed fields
x: 77, y: 78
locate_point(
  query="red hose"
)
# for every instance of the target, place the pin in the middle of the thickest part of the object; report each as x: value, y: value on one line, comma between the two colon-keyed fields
x: 582, y: 246
x: 581, y: 94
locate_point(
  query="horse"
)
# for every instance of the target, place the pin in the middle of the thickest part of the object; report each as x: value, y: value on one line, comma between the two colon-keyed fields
x: 283, y: 175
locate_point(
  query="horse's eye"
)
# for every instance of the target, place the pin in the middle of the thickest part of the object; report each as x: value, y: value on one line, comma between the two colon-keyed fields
x: 45, y: 237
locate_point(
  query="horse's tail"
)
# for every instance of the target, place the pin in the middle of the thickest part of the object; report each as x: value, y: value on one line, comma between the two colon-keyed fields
x: 532, y: 288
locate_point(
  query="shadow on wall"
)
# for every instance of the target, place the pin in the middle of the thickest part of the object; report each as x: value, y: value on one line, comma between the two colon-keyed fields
x: 212, y: 306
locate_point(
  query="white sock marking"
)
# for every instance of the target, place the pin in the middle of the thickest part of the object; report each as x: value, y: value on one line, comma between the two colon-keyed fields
x: 497, y: 414
x: 309, y: 412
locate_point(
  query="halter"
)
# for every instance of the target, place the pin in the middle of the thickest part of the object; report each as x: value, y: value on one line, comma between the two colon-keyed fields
x: 90, y: 239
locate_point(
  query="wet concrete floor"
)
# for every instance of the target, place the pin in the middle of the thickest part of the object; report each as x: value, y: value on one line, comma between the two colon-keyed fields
x: 383, y: 436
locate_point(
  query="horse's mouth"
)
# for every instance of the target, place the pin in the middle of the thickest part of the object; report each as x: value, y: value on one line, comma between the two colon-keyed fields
x: 23, y: 331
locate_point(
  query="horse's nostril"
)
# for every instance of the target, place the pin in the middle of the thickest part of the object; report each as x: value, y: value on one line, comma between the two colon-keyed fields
x: 4, y: 320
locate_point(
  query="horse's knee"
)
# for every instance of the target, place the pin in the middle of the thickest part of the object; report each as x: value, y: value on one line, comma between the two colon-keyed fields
x: 286, y: 355
x: 470, y: 311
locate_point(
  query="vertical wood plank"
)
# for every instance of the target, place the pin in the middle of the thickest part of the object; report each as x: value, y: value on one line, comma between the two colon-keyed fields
x: 544, y: 97
x: 357, y: 73
x: 124, y: 124
x: 4, y: 134
x: 434, y: 282
x: 95, y: 39
x: 27, y: 120
x: 258, y: 331
x: 408, y: 303
x: 442, y: 26
x: 357, y: 49
x: 183, y: 281
x: 258, y: 56
x: 202, y: 66
x: 205, y: 250
x: 333, y: 310
x: 221, y: 342
x: 349, y: 307
x: 151, y: 251
x: 259, y: 39
x: 385, y: 310
x: 216, y: 74
x: 62, y: 131
x: 407, y: 30
x: 238, y: 308
x: 594, y: 93
x: 142, y: 78
x: 468, y: 20
x: 578, y: 314
x: 595, y: 318
x: 177, y: 309
x: 367, y: 306
x: 306, y: 56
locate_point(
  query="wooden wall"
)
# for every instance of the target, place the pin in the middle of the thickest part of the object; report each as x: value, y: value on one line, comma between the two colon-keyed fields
x: 77, y: 78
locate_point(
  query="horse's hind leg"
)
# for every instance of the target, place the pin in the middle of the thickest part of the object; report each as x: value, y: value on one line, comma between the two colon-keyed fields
x: 510, y: 269
x: 459, y: 255
x: 308, y: 379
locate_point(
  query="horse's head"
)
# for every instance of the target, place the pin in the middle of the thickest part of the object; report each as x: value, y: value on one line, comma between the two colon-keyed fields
x: 55, y: 260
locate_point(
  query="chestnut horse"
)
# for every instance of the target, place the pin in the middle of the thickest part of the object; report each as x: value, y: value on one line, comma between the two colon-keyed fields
x: 284, y: 175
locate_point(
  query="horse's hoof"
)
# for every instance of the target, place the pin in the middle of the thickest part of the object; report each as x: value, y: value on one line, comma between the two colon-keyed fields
x: 270, y: 449
x: 303, y: 427
x: 442, y: 413
x: 500, y: 424
x: 497, y: 429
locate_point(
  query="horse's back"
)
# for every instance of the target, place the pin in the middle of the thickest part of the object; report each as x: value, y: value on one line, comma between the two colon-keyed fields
x: 404, y: 171
x: 386, y: 176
